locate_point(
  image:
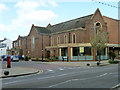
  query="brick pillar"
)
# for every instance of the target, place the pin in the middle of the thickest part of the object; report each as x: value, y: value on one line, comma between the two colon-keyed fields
x: 57, y: 52
x: 69, y: 54
x: 94, y: 54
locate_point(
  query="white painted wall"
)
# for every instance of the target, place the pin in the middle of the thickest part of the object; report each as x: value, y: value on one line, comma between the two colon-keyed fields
x: 8, y: 43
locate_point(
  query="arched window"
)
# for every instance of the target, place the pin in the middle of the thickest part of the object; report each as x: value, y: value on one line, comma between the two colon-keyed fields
x: 33, y: 42
x: 98, y: 26
x: 74, y: 38
x: 58, y: 40
x: 65, y: 38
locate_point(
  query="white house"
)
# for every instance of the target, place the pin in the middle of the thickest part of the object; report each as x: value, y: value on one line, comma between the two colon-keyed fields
x: 5, y: 45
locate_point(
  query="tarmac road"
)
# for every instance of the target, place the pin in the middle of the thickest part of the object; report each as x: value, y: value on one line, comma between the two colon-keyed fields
x: 67, y: 77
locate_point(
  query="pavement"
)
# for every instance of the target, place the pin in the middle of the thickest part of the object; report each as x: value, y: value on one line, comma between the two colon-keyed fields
x: 21, y: 71
x: 81, y: 64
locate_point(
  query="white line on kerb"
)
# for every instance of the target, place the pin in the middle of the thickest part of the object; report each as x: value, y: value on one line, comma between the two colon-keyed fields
x: 118, y: 85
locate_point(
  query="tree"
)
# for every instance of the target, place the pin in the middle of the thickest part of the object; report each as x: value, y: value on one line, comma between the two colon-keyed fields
x: 98, y: 41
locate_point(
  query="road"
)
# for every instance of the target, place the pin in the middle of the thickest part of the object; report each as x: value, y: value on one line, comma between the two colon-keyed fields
x: 55, y: 76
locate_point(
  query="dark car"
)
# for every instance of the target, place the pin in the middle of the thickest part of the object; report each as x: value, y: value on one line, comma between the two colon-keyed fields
x: 4, y: 57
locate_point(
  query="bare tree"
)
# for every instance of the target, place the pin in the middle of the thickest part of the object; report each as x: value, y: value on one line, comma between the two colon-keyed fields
x: 99, y: 41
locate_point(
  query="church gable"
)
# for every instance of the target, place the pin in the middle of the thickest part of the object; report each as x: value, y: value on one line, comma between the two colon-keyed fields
x: 97, y: 17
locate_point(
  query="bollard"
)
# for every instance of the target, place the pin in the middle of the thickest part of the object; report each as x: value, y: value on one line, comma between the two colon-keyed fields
x: 6, y: 73
x: 8, y: 62
x: 88, y: 64
x: 98, y: 63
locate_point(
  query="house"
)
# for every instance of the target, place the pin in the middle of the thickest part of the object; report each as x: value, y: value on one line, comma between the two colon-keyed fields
x: 70, y: 39
x: 5, y: 45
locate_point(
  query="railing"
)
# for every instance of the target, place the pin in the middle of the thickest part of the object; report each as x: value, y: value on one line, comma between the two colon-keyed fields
x: 82, y: 58
x: 102, y: 57
x: 63, y: 58
x: 76, y: 58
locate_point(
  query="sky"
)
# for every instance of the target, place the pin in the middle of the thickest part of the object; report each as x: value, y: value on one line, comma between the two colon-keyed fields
x: 17, y: 16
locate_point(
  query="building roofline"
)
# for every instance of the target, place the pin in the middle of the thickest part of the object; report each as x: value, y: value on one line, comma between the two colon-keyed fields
x: 72, y: 19
x: 111, y: 18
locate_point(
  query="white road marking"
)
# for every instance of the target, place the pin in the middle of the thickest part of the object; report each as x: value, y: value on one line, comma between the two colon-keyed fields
x: 62, y: 74
x: 60, y: 69
x: 59, y: 83
x: 76, y: 80
x: 102, y: 75
x: 50, y: 70
x: 46, y: 77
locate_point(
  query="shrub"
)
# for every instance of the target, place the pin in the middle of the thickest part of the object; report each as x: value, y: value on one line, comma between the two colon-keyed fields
x: 112, y: 55
x: 112, y: 61
x: 37, y: 59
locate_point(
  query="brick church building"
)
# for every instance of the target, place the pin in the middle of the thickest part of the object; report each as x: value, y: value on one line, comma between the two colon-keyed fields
x: 70, y: 39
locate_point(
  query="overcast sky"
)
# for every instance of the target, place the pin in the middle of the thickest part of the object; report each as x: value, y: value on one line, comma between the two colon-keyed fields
x: 16, y: 17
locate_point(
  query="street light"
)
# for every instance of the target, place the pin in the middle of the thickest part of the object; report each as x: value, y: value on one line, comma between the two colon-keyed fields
x: 42, y: 47
x: 113, y: 48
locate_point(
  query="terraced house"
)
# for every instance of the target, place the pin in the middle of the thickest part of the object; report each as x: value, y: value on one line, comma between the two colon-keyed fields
x: 70, y: 39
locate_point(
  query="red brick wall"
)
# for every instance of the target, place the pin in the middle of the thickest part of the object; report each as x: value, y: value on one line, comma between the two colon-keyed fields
x: 112, y: 26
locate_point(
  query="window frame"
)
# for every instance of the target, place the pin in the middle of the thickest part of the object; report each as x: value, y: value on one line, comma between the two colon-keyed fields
x: 73, y: 38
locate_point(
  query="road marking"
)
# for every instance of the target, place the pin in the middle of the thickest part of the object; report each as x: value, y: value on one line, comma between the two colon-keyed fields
x: 102, y: 75
x: 62, y: 75
x: 50, y: 70
x: 59, y: 83
x: 46, y: 77
x: 76, y: 80
x: 60, y: 69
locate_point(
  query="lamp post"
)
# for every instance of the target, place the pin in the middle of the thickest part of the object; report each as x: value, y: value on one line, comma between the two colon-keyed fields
x: 113, y: 48
x: 42, y: 47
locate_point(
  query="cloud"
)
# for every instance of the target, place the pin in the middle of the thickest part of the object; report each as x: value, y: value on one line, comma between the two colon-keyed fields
x: 28, y: 13
x: 3, y: 7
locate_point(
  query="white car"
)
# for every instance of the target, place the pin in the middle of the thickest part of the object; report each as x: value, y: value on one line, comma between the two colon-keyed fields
x: 15, y: 59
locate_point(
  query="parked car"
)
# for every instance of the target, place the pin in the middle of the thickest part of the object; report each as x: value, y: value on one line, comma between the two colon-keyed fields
x: 4, y: 57
x: 15, y: 59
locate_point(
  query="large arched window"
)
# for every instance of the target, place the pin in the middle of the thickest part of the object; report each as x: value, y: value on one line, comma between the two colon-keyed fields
x: 98, y: 27
x: 74, y: 38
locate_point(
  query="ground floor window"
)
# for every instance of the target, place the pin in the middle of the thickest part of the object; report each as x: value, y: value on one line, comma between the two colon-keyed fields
x: 81, y: 51
x: 63, y: 51
x: 103, y: 52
